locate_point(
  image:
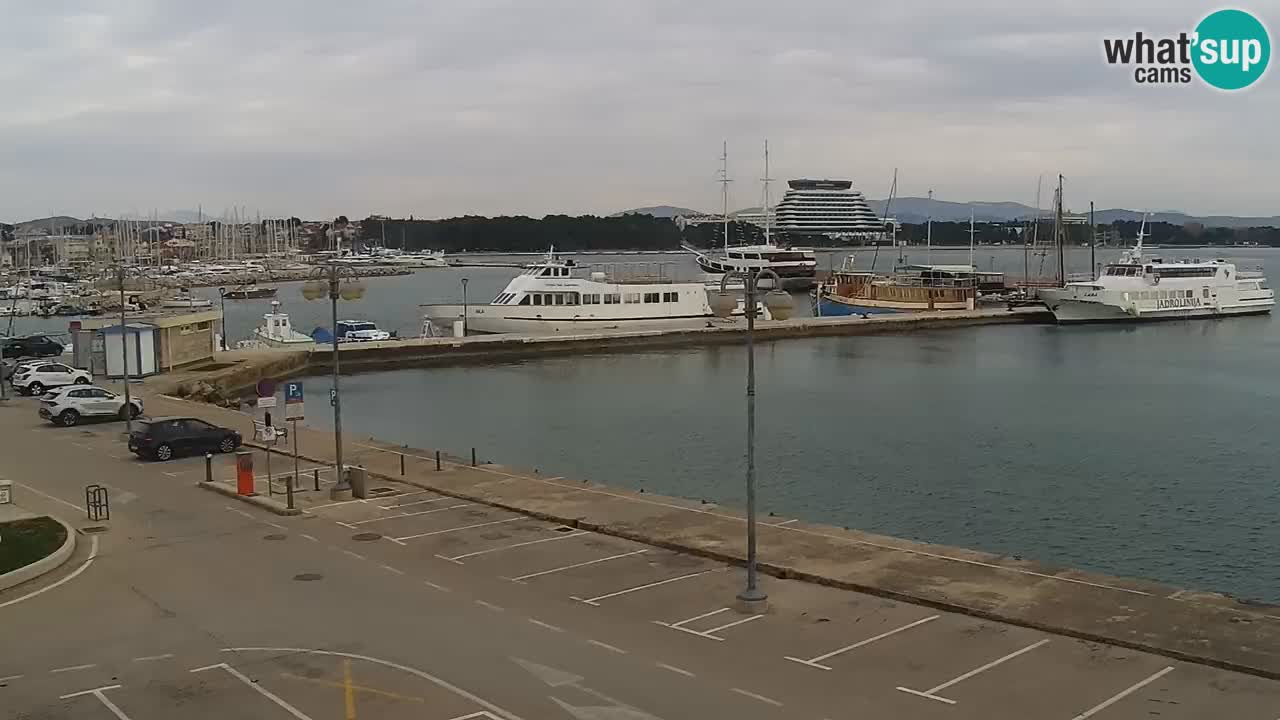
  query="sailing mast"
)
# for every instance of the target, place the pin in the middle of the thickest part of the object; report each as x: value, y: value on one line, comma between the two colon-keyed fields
x: 766, y: 180
x: 884, y: 222
x: 1059, y: 231
x: 971, y: 234
x: 929, y: 232
x: 724, y: 190
x: 1093, y: 241
x: 1035, y: 236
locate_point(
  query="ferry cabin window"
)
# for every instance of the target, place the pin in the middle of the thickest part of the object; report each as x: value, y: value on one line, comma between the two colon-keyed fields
x: 525, y: 300
x: 631, y: 297
x: 670, y: 297
x: 652, y: 297
x: 537, y: 299
x: 612, y: 299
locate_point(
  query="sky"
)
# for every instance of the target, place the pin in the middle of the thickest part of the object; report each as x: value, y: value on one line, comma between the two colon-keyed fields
x: 451, y: 107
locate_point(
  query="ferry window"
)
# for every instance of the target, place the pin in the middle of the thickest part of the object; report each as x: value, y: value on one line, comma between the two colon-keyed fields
x: 611, y: 299
x: 651, y: 297
x: 571, y: 298
x: 631, y: 297
x: 670, y: 297
x: 537, y: 299
x: 547, y: 272
x: 559, y: 298
x: 524, y: 300
x: 1206, y: 292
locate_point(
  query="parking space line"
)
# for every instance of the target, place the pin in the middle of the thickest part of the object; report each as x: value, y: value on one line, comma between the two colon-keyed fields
x: 754, y: 696
x: 489, y: 606
x: 278, y: 526
x: 930, y: 692
x: 238, y: 511
x: 412, y: 514
x: 28, y: 488
x: 336, y: 504
x: 597, y: 561
x: 815, y: 662
x: 73, y: 668
x: 149, y: 658
x: 7, y: 678
x: 1122, y: 694
x: 355, y: 555
x: 735, y: 623
x: 548, y: 626
x: 607, y: 646
x: 596, y: 600
x: 102, y: 698
x: 676, y: 670
x: 785, y: 523
x: 695, y: 617
x: 565, y: 536
x: 416, y: 502
x: 259, y: 689
x: 464, y: 527
x: 390, y: 569
x: 308, y: 537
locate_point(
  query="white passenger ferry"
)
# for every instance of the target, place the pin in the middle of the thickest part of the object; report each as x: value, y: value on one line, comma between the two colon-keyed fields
x: 547, y: 298
x: 1135, y: 289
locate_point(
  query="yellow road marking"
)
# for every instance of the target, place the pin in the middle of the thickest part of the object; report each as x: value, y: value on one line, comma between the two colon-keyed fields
x: 354, y: 688
x: 348, y: 691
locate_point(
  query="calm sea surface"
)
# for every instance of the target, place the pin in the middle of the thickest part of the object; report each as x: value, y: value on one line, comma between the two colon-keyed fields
x: 1146, y: 451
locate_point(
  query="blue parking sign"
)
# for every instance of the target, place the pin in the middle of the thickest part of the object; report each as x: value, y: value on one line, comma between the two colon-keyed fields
x: 293, y: 392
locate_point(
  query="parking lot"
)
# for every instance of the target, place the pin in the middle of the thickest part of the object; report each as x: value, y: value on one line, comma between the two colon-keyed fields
x: 828, y: 641
x: 949, y: 664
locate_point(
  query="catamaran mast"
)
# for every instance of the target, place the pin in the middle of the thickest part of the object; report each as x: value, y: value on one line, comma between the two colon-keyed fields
x: 971, y: 234
x: 929, y: 232
x: 1093, y: 241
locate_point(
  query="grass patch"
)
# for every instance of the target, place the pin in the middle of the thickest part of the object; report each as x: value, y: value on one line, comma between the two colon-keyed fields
x: 23, y: 542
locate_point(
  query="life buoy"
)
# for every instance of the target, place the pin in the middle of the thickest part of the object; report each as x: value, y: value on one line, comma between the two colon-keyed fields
x: 1155, y: 279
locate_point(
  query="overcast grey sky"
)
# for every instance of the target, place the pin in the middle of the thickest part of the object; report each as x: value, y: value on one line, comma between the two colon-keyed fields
x: 445, y: 107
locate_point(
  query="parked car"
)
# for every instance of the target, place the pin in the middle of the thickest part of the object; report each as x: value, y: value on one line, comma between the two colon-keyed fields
x: 32, y: 346
x: 168, y: 437
x: 35, y: 378
x: 9, y: 367
x: 68, y: 406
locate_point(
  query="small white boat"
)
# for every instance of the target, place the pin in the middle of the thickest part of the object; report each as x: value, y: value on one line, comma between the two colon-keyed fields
x: 277, y: 331
x: 185, y: 300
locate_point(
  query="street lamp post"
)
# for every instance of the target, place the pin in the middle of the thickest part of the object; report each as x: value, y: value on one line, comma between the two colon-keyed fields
x: 464, y: 306
x: 222, y: 298
x: 124, y: 355
x: 780, y: 306
x: 328, y: 281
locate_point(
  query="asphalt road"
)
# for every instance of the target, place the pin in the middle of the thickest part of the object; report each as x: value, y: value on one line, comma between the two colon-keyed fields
x: 188, y: 604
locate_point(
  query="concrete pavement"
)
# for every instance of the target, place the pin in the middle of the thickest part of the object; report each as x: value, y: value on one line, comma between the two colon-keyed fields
x: 418, y: 604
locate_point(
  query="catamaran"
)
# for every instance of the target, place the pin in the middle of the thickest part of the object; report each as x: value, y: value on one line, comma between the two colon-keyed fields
x: 1136, y: 289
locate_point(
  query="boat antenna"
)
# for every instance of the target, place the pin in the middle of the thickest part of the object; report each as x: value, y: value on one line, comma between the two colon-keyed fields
x: 724, y: 189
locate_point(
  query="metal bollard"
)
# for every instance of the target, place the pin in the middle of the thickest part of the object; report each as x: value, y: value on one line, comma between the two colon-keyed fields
x: 473, y: 457
x: 402, y: 463
x: 208, y: 467
x: 288, y: 491
x: 437, y: 461
x: 315, y: 474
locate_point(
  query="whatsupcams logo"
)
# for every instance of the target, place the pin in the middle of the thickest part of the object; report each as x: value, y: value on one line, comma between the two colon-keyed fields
x: 1229, y: 50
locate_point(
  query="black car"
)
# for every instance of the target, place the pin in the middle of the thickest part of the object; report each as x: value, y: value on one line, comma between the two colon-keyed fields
x: 168, y: 437
x: 32, y: 346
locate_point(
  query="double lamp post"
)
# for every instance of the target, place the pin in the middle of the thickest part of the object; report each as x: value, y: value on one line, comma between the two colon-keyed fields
x: 336, y: 282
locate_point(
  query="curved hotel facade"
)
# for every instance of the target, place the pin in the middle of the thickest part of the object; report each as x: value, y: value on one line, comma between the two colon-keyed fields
x: 826, y: 207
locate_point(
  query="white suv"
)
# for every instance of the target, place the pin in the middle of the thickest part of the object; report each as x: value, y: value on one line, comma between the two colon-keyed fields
x: 34, y: 379
x: 69, y: 405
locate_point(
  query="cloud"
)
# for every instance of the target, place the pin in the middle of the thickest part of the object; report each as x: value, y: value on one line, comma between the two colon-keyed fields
x: 499, y: 106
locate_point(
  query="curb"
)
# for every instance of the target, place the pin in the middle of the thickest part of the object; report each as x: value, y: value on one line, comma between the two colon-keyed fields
x: 255, y: 500
x: 44, y: 565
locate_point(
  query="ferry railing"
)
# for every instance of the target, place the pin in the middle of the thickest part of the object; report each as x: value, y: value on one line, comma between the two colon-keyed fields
x: 642, y: 273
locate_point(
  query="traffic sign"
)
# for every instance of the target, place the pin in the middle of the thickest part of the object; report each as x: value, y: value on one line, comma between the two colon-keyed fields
x: 266, y: 387
x: 293, y: 401
x: 266, y: 402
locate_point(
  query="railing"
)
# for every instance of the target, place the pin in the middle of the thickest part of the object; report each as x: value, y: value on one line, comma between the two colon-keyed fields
x: 650, y: 273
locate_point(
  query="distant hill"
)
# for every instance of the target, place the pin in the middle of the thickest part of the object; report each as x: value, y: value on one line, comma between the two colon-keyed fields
x: 658, y: 211
x: 57, y: 221
x: 918, y: 210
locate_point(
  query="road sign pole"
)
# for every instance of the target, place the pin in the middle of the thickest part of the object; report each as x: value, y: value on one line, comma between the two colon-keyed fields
x: 294, y: 431
x: 271, y: 490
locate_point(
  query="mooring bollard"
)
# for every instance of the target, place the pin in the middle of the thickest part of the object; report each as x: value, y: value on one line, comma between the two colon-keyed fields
x: 473, y: 457
x: 208, y: 467
x: 437, y: 461
x: 316, y: 475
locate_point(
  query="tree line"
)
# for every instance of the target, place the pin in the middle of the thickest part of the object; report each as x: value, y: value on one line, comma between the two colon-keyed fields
x: 513, y: 234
